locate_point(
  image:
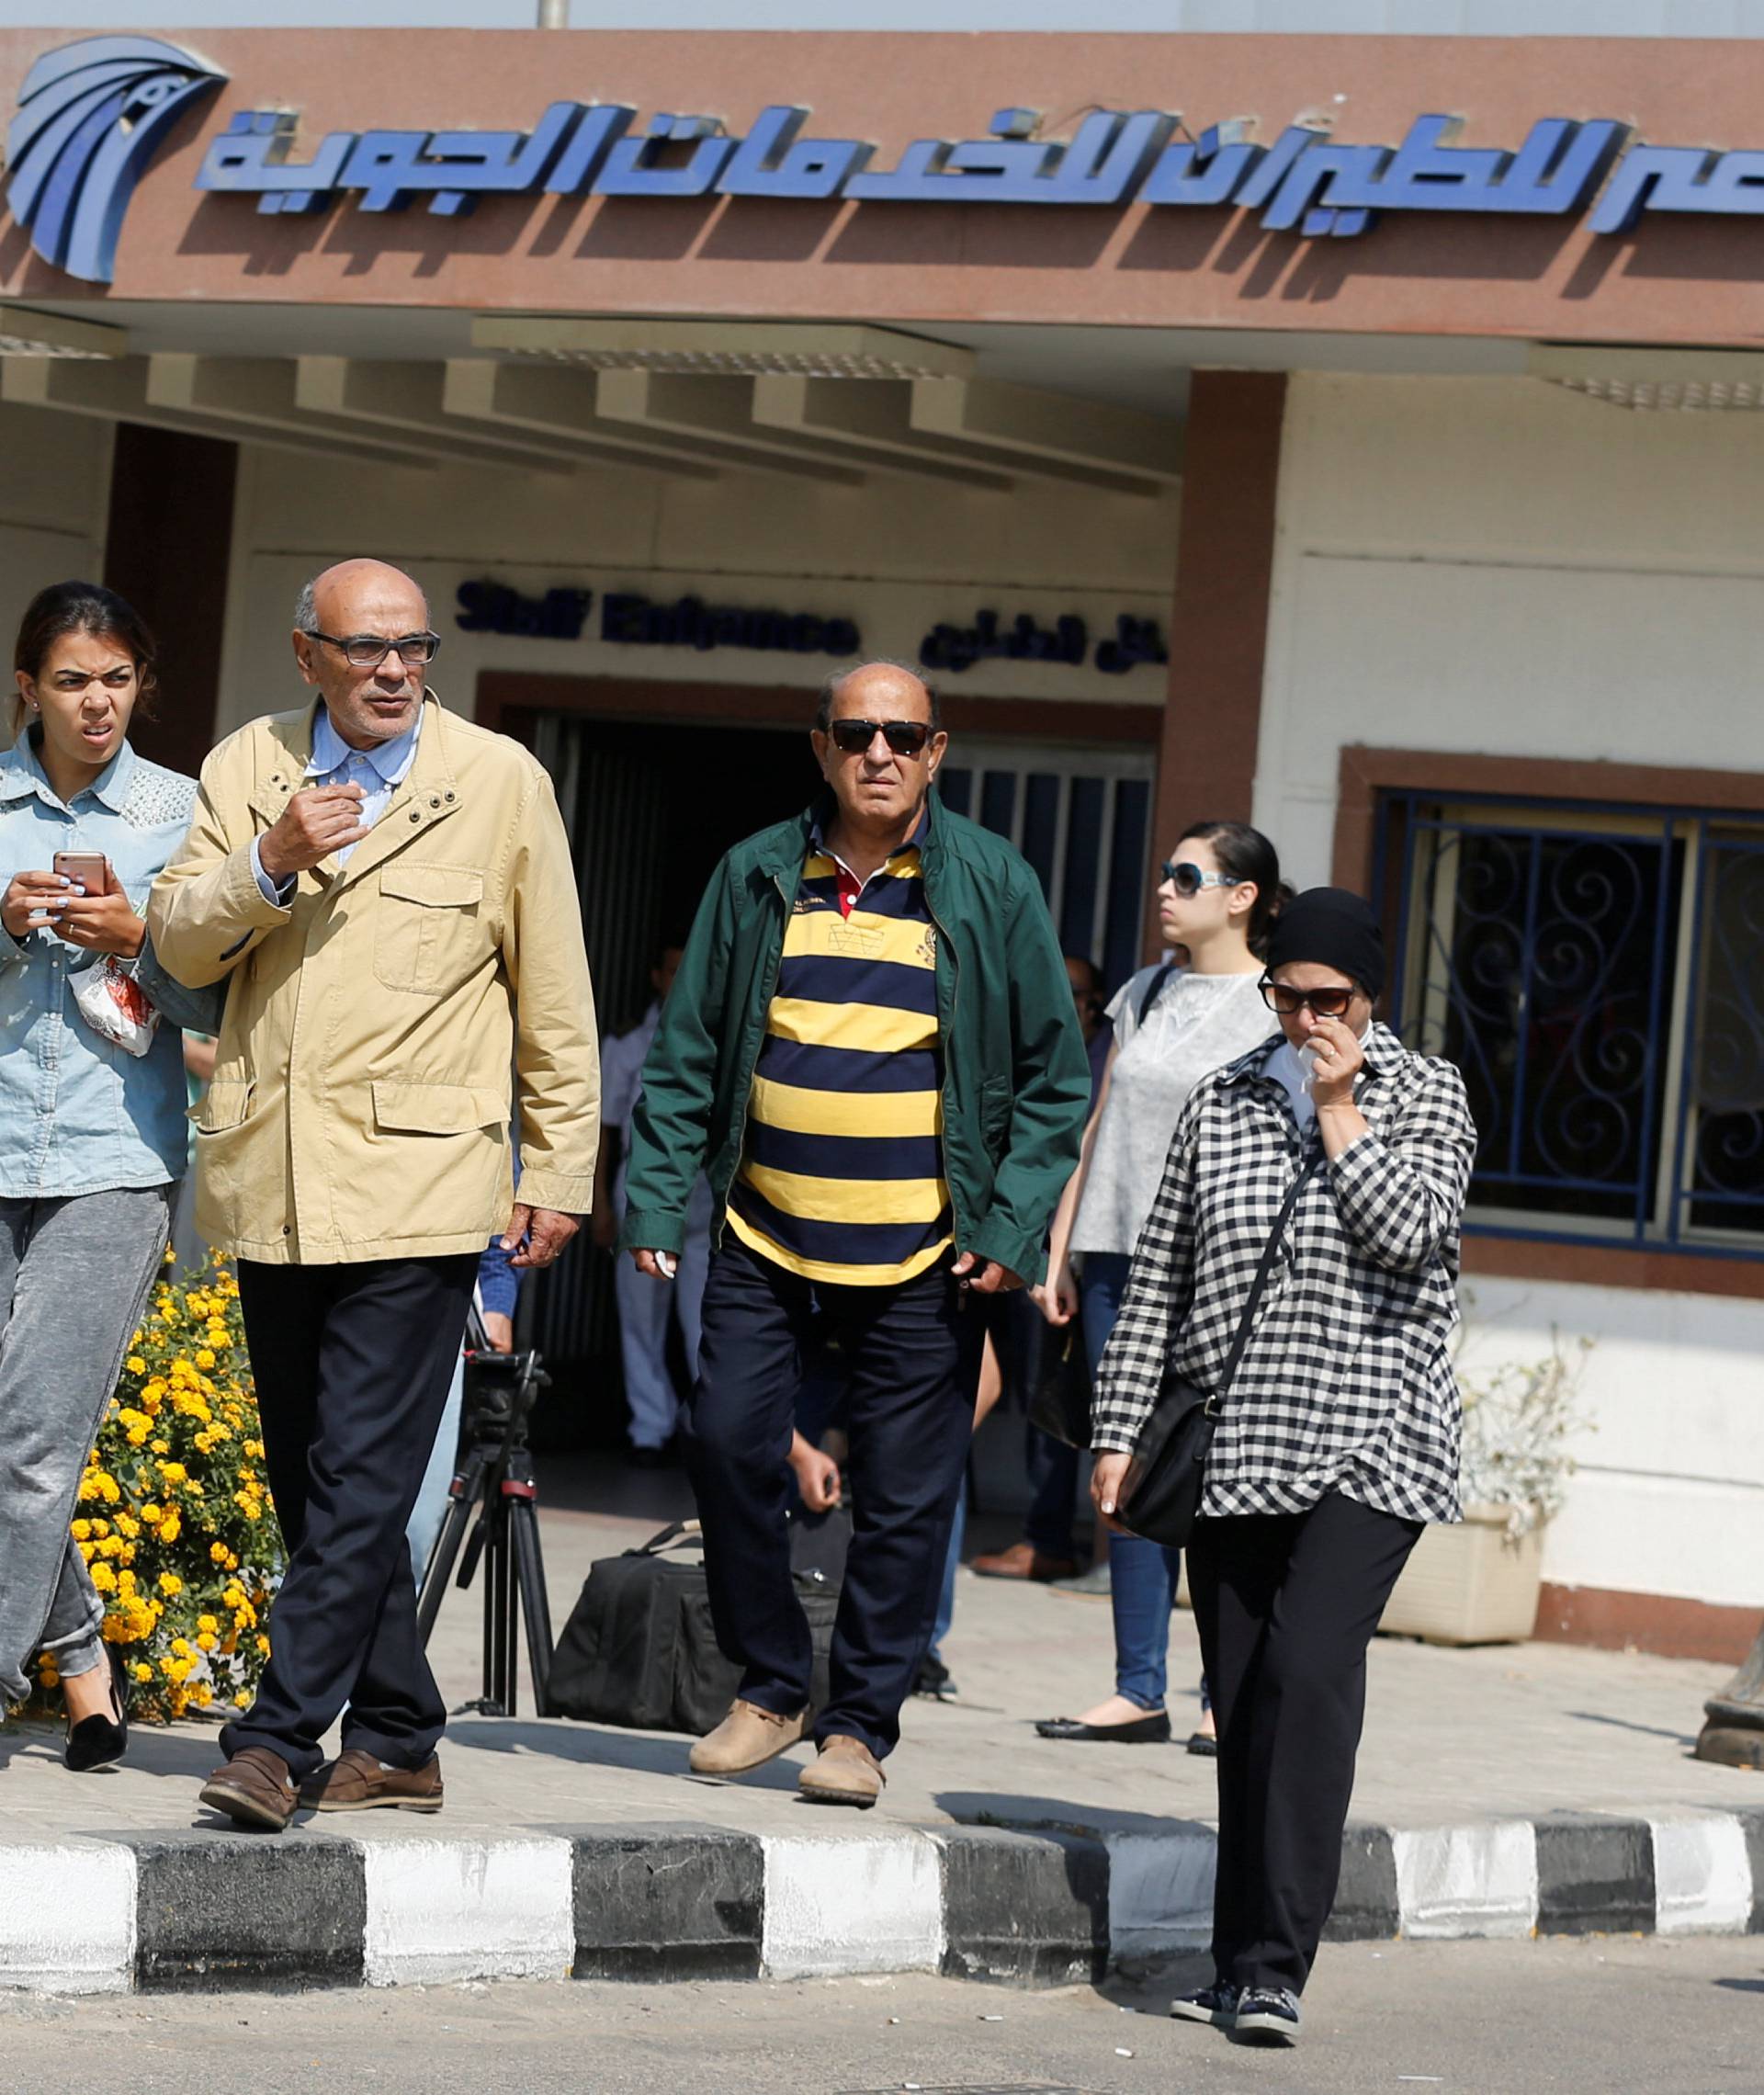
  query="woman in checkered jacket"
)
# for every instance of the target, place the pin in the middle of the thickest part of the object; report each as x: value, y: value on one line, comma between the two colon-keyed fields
x: 1338, y: 1439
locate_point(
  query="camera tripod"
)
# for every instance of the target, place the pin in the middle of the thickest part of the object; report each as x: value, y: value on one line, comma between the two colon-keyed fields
x: 495, y: 1480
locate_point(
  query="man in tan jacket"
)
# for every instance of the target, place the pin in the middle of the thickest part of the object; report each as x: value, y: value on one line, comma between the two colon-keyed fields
x: 387, y: 891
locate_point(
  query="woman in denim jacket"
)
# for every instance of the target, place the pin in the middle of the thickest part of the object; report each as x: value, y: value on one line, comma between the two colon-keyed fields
x: 92, y: 1137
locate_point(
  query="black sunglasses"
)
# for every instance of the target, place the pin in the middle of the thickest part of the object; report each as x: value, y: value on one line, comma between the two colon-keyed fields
x: 367, y: 651
x: 1287, y: 1001
x: 905, y: 738
x: 1187, y: 878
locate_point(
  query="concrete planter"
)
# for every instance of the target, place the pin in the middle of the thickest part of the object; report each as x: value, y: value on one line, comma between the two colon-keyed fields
x: 1469, y: 1584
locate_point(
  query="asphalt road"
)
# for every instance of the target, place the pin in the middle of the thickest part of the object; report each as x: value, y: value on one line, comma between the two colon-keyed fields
x: 1606, y: 2018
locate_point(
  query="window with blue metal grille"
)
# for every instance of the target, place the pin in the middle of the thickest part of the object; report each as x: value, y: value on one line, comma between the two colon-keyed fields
x: 1596, y: 974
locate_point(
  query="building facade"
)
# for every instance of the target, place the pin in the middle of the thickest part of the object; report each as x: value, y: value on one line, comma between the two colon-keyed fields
x: 1359, y: 435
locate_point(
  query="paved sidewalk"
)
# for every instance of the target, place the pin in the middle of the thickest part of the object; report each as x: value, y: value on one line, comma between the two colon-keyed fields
x: 1467, y: 1752
x: 1485, y: 1733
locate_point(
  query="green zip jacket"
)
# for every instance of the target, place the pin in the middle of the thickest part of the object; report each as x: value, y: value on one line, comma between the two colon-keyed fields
x: 1016, y: 1080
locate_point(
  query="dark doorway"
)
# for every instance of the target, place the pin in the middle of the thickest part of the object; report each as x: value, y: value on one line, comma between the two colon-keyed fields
x: 649, y: 809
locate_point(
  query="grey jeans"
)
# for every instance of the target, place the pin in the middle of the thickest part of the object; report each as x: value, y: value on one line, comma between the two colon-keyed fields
x: 74, y: 1277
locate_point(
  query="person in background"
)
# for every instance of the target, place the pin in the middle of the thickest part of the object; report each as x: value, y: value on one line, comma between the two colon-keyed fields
x: 92, y: 1139
x: 881, y: 1149
x: 1338, y: 1439
x: 1045, y: 1552
x: 386, y: 891
x: 189, y: 1253
x: 650, y: 1397
x: 497, y: 1294
x: 1218, y: 900
x: 934, y: 1677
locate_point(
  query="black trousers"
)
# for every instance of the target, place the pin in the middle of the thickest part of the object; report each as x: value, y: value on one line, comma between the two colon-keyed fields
x: 912, y: 1353
x: 1286, y: 1604
x: 352, y: 1365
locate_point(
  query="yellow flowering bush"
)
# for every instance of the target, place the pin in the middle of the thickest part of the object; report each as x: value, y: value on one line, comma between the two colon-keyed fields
x: 174, y: 1518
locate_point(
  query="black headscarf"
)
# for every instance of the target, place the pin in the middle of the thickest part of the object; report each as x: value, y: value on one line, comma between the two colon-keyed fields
x: 1331, y: 927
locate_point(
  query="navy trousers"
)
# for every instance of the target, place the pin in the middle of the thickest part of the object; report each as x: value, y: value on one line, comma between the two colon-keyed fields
x: 912, y: 1356
x: 353, y: 1364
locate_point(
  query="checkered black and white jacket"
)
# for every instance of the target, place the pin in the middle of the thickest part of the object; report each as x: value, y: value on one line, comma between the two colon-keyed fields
x: 1346, y: 1384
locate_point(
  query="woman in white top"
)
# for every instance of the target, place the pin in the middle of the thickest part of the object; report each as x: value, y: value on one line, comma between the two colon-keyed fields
x: 1217, y: 903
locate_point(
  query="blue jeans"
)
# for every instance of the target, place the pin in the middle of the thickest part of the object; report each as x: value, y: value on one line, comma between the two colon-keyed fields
x: 434, y: 1494
x: 952, y: 1564
x: 1142, y: 1575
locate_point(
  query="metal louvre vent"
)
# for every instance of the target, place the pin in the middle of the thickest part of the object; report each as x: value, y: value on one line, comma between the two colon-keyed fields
x: 700, y: 348
x: 1675, y: 395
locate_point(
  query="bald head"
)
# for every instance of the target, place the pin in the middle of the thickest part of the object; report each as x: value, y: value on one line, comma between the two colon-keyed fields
x: 878, y: 743
x: 362, y: 601
x: 338, y: 590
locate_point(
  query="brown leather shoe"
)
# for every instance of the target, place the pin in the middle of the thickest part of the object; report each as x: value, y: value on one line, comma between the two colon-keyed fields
x: 747, y: 1737
x: 356, y: 1780
x: 1022, y: 1561
x: 844, y: 1772
x: 255, y: 1787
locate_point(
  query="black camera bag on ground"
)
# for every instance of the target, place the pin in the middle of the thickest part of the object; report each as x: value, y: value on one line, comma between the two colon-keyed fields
x: 639, y: 1648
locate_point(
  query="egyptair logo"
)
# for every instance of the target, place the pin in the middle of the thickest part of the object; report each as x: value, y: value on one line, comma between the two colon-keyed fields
x: 89, y: 120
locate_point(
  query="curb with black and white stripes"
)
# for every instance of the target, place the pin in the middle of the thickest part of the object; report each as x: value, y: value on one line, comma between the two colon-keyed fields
x: 159, y: 1911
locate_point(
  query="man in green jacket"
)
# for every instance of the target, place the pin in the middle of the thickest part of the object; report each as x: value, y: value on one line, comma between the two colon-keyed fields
x: 872, y: 1051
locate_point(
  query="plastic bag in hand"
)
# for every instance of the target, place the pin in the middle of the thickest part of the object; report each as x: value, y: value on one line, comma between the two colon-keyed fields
x: 114, y: 1004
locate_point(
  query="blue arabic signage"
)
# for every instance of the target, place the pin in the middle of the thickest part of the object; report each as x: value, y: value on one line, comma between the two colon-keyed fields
x: 630, y: 620
x: 1305, y: 181
x: 1067, y: 641
x: 92, y: 114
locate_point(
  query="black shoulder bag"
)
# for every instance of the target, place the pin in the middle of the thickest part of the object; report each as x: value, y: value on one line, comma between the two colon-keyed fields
x: 1161, y: 1495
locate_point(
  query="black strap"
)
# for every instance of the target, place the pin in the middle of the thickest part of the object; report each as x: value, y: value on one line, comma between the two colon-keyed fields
x: 1154, y: 989
x: 1259, y: 1286
x: 680, y: 1531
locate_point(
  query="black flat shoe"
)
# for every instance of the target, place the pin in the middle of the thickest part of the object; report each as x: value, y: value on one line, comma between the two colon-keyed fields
x: 1152, y: 1729
x: 101, y: 1742
x: 1204, y: 1746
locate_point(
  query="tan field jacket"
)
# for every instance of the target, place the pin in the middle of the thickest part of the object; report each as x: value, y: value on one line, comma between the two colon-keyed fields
x: 361, y: 1100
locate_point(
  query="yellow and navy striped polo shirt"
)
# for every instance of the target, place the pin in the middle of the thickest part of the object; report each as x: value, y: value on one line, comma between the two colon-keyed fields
x: 842, y: 1176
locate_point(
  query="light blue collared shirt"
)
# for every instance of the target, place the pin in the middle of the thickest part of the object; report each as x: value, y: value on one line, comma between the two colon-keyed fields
x: 378, y: 771
x: 78, y: 1114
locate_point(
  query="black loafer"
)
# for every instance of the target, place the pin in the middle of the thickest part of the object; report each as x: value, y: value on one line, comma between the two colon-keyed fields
x: 101, y: 1742
x: 1152, y: 1729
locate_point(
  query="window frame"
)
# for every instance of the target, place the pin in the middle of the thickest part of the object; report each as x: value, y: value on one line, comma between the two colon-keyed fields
x: 1368, y: 776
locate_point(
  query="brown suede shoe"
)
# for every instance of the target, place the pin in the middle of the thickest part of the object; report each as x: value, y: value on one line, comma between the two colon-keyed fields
x: 255, y: 1787
x: 844, y: 1772
x: 356, y: 1780
x: 747, y: 1737
x: 1022, y: 1561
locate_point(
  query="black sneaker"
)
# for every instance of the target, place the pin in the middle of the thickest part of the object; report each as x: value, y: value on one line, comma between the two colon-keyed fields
x: 1268, y: 2012
x: 1217, y: 2004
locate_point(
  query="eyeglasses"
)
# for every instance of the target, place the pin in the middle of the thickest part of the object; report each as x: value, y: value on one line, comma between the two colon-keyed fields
x: 367, y: 651
x: 1287, y: 1001
x: 905, y: 738
x: 1187, y: 878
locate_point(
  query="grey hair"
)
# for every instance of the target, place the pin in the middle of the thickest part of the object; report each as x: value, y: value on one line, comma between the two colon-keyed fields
x: 306, y: 607
x: 829, y: 690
